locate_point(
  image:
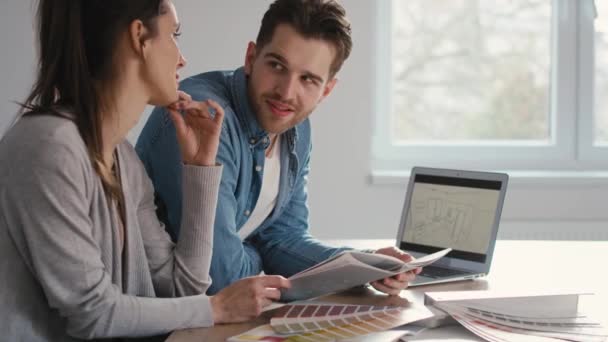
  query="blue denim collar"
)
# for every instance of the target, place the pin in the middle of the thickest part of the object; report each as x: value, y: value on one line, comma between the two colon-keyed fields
x: 258, y: 137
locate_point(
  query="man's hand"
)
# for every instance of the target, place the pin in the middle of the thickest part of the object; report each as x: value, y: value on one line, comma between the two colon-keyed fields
x: 245, y: 299
x: 394, y: 285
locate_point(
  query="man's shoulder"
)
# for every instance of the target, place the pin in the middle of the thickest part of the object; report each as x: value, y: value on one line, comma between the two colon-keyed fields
x: 214, y: 85
x: 304, y: 137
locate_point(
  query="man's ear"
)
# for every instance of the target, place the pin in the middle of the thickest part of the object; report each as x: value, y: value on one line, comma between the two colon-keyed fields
x: 138, y: 37
x: 329, y: 86
x: 250, y: 56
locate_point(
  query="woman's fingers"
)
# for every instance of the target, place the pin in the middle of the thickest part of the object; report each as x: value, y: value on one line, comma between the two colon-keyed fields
x: 183, y: 96
x: 179, y: 122
x: 219, y: 111
x: 198, y: 108
x: 272, y: 293
x: 204, y: 109
x: 183, y: 99
x: 266, y: 302
x: 197, y: 128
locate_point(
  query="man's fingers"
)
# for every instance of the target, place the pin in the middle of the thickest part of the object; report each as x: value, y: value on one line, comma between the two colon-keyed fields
x: 407, y: 276
x: 403, y: 256
x: 406, y: 257
x: 400, y: 277
x: 396, y: 284
x: 383, y: 288
x: 395, y: 252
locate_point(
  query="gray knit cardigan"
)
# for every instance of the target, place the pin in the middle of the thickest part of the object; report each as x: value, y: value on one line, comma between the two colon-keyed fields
x: 62, y: 274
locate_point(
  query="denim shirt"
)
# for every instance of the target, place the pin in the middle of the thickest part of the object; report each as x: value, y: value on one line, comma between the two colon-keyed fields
x: 281, y: 244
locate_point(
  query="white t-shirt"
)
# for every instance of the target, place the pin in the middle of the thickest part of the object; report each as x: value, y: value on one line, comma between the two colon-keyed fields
x: 268, y: 192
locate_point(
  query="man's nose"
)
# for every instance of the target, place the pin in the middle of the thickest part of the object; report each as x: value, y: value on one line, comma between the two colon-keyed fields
x: 287, y: 87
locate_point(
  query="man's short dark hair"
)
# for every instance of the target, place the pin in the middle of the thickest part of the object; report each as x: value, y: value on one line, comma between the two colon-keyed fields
x: 317, y: 19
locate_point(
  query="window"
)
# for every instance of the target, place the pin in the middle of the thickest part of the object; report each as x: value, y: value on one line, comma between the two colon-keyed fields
x: 505, y: 84
x: 601, y: 74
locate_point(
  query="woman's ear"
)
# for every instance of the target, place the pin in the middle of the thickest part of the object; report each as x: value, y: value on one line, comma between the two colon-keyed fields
x: 138, y: 37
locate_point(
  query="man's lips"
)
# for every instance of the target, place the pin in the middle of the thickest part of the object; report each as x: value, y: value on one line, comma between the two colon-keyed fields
x: 279, y: 108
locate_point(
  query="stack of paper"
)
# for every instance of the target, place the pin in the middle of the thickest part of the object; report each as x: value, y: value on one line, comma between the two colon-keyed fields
x: 329, y: 322
x: 510, y: 317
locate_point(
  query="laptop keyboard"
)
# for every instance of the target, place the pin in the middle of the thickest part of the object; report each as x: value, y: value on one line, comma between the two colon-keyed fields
x: 439, y: 272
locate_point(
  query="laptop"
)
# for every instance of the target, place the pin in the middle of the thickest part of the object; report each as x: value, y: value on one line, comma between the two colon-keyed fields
x: 456, y: 209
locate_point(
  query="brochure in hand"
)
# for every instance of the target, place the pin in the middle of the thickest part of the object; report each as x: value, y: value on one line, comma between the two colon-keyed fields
x: 350, y: 269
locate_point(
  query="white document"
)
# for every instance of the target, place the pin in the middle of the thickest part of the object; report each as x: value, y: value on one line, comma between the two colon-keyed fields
x: 350, y: 269
x: 501, y: 316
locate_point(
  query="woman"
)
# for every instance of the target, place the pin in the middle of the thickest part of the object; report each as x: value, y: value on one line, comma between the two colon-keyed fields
x: 82, y: 254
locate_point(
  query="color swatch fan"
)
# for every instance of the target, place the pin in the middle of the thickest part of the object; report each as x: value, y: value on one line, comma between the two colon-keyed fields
x: 327, y: 322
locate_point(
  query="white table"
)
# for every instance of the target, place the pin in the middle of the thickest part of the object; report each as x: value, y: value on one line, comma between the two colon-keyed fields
x: 517, y: 265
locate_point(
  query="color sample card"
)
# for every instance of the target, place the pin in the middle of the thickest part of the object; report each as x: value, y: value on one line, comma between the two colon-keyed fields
x: 310, y: 317
x: 315, y: 322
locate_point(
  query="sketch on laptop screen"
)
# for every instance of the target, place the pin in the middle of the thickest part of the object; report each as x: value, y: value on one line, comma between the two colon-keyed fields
x: 456, y: 213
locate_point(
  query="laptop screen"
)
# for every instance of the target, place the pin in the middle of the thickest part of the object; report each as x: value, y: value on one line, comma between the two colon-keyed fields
x: 451, y: 212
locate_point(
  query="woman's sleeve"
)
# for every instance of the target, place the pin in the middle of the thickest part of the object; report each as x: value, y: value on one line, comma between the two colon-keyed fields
x: 182, y: 269
x: 47, y: 206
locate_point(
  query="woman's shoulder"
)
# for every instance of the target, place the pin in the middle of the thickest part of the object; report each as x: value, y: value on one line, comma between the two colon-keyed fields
x: 44, y: 131
x: 44, y: 141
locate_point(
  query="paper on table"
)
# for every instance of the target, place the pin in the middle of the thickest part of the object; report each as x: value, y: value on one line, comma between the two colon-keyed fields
x: 493, y: 333
x: 511, y: 316
x: 497, y: 332
x: 511, y: 302
x: 554, y: 326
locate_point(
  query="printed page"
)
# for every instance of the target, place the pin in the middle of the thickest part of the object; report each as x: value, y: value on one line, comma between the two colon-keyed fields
x: 330, y: 281
x: 348, y: 270
x: 343, y: 260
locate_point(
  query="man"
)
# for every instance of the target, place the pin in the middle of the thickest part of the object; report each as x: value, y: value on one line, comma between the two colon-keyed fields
x: 262, y: 215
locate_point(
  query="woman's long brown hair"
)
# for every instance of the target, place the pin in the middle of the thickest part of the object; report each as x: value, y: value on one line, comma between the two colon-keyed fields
x: 76, y: 44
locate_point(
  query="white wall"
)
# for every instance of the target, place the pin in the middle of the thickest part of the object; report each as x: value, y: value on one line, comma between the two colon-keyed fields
x: 344, y: 203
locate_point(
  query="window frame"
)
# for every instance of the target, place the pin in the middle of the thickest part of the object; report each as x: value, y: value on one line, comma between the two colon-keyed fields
x: 571, y: 145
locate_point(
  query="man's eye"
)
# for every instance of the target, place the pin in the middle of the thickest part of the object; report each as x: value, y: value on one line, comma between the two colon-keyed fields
x: 276, y: 66
x: 309, y: 80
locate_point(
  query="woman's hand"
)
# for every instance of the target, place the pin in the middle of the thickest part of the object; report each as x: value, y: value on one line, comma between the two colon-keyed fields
x: 245, y: 299
x: 198, y: 133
